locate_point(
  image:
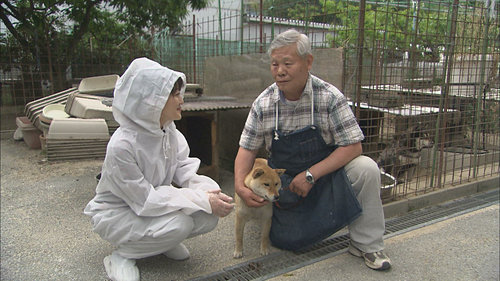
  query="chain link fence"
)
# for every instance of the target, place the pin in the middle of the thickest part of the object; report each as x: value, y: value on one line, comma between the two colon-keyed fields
x: 422, y: 76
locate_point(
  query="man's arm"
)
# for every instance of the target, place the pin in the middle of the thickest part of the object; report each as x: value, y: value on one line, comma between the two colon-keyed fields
x: 336, y: 160
x: 242, y: 166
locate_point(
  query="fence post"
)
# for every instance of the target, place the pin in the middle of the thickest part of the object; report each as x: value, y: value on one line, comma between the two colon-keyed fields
x: 272, y: 20
x: 220, y: 31
x: 49, y: 60
x: 481, y: 93
x: 361, y: 39
x: 260, y: 27
x: 194, y: 48
x: 443, y: 100
x: 306, y: 29
x: 241, y: 26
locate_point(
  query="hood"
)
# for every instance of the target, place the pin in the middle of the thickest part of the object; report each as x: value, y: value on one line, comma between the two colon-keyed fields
x: 141, y: 93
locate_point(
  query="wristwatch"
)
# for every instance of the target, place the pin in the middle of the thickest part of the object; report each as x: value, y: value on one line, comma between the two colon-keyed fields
x: 309, y: 177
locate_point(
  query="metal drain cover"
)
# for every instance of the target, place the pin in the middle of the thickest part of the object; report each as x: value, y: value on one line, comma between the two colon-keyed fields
x: 282, y: 262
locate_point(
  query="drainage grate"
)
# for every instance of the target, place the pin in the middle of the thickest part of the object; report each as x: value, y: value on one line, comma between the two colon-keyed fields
x: 433, y: 214
x: 281, y: 262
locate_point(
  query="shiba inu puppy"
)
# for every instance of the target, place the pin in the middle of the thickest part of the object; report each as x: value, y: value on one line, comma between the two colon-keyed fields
x: 265, y: 182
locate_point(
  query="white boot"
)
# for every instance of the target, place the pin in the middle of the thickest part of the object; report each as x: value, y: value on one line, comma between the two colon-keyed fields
x: 119, y: 268
x: 178, y: 253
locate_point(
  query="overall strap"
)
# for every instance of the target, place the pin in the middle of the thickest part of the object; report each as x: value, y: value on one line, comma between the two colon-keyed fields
x: 312, y: 108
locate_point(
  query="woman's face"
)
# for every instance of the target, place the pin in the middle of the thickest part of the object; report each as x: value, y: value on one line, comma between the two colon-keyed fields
x: 172, y: 109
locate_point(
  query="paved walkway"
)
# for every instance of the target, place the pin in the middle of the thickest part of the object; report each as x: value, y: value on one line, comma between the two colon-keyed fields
x: 461, y: 248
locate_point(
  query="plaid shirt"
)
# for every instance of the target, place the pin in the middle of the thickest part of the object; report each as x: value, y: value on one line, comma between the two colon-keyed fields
x: 332, y: 115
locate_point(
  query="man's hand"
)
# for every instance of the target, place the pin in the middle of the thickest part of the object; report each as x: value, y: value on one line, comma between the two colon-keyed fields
x: 220, y: 203
x: 242, y: 165
x: 299, y: 185
x: 250, y: 198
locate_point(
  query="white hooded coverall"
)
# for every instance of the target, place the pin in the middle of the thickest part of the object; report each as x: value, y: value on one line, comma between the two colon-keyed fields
x: 136, y: 207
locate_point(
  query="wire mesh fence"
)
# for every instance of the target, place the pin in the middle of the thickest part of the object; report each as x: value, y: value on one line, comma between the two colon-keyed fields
x: 422, y: 76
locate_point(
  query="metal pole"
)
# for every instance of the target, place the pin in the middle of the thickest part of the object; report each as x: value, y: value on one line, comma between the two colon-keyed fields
x: 194, y: 48
x: 260, y: 28
x: 443, y: 99
x: 272, y: 20
x: 241, y: 27
x: 361, y: 39
x: 220, y: 31
x: 49, y: 57
x: 307, y: 19
x: 480, y: 93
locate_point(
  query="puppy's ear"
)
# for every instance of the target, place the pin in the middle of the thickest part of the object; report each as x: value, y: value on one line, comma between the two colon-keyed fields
x: 280, y: 172
x: 257, y: 173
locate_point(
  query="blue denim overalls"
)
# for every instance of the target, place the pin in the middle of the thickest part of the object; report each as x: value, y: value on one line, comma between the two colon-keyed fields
x: 329, y: 206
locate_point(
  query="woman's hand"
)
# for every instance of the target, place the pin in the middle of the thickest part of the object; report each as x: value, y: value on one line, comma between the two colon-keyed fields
x: 220, y: 203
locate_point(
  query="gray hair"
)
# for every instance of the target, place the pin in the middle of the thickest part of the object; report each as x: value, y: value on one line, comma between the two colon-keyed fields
x: 290, y: 37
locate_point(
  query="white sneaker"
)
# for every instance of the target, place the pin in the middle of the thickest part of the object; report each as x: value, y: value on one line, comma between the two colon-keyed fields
x: 178, y: 253
x: 119, y: 268
x: 377, y: 260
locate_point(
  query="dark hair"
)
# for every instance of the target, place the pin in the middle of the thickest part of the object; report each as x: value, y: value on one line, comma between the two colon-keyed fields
x: 178, y: 85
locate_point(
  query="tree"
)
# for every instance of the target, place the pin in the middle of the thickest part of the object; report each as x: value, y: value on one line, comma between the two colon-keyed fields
x: 386, y: 22
x: 49, y: 31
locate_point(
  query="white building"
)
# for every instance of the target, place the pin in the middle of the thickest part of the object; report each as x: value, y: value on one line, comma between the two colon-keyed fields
x: 224, y: 19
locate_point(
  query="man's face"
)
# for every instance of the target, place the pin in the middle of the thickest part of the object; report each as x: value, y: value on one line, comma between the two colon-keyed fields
x: 290, y: 71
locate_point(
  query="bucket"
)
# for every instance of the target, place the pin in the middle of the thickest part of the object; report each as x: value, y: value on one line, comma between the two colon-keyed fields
x: 388, y: 182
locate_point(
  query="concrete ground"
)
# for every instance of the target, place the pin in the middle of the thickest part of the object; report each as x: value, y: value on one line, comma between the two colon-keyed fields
x: 45, y: 235
x: 461, y: 248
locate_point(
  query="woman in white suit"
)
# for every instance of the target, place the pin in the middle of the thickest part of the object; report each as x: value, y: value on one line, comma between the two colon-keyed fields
x: 150, y: 198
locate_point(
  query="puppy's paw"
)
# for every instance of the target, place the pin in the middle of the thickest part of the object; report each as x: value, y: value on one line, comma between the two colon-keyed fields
x: 238, y: 254
x: 264, y: 252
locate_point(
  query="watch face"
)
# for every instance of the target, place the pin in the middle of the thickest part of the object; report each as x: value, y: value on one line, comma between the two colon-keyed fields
x: 309, y: 179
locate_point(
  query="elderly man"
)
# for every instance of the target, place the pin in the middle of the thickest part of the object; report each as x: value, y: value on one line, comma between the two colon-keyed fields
x: 309, y: 129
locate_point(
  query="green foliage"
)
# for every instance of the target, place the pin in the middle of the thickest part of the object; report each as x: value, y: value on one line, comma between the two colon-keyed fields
x: 421, y: 28
x: 387, y: 24
x: 57, y: 30
x: 159, y: 14
x: 472, y: 23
